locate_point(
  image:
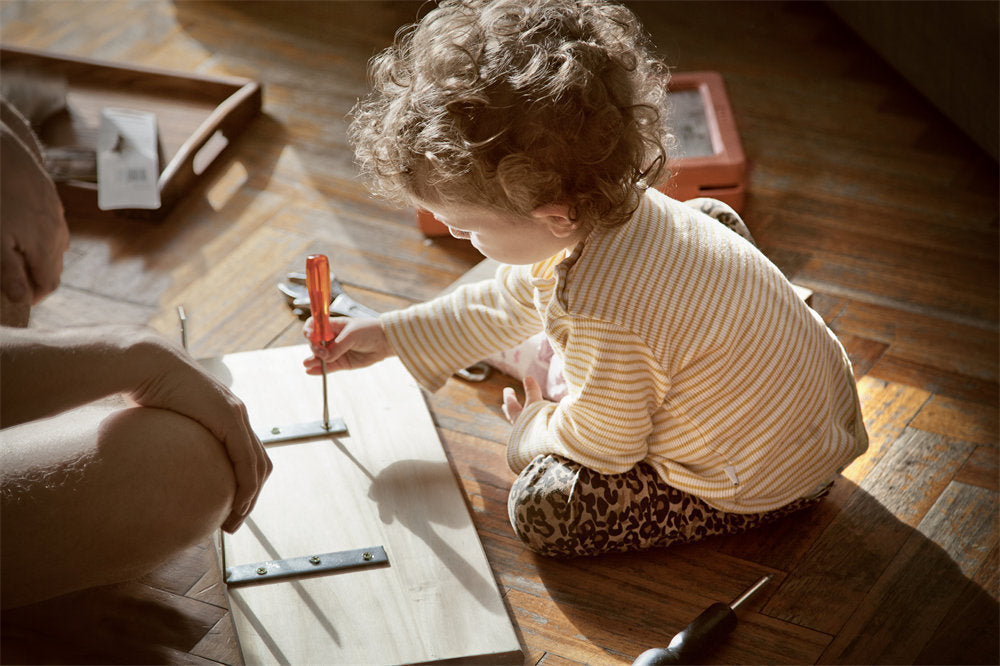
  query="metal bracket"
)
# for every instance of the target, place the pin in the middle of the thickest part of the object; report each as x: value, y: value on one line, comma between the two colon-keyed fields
x: 303, y: 566
x: 287, y: 433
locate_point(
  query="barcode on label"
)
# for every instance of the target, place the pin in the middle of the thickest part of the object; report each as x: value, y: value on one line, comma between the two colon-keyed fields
x: 134, y: 175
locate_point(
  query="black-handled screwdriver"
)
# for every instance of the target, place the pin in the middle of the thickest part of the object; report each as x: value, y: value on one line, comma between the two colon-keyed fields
x: 705, y: 631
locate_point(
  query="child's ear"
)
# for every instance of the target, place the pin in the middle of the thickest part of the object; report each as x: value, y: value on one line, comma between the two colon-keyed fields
x: 556, y: 216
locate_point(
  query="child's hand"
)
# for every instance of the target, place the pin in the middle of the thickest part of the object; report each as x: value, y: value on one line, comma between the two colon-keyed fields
x: 512, y: 408
x: 357, y: 343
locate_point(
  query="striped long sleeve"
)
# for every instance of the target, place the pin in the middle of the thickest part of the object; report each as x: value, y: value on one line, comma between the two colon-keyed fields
x: 435, y: 338
x: 683, y: 347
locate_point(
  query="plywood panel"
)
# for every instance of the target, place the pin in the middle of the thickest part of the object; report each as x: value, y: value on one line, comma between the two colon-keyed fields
x: 385, y: 483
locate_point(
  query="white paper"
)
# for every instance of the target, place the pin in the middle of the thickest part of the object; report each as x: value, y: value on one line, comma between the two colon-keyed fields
x: 127, y: 160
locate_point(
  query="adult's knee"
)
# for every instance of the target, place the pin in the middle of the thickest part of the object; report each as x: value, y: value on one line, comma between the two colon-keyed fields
x: 110, y: 495
x: 176, y: 472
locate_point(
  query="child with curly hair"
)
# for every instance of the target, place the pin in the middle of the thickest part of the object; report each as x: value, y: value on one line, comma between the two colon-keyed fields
x: 703, y: 396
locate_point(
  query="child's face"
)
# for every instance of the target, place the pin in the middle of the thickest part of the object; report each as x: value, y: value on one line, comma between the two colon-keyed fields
x: 508, y: 238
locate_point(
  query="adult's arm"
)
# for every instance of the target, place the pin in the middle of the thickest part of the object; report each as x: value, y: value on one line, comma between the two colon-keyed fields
x: 47, y: 372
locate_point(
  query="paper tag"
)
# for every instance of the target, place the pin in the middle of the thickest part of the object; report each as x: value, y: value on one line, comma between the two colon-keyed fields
x: 128, y: 166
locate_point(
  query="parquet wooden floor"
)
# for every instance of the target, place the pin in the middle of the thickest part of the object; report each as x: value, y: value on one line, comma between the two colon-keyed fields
x: 859, y: 189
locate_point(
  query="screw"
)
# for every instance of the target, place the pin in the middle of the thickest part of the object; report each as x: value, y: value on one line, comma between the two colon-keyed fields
x: 261, y: 571
x: 366, y: 556
x: 314, y: 559
x: 275, y: 430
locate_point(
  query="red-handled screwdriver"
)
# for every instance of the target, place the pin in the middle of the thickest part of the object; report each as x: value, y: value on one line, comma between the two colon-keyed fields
x: 703, y: 633
x: 318, y: 285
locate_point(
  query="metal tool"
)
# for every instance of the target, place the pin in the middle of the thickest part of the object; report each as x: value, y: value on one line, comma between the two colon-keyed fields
x: 318, y: 286
x: 182, y: 316
x: 322, y: 333
x: 341, y: 304
x: 705, y: 631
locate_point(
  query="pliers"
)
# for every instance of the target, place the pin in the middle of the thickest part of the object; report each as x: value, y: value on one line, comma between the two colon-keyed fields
x: 297, y: 296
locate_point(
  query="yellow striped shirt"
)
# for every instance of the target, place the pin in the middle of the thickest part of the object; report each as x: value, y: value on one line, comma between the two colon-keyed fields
x: 684, y: 347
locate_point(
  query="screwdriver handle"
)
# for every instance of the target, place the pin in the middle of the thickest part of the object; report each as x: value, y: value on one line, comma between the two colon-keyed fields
x: 318, y: 285
x: 707, y: 630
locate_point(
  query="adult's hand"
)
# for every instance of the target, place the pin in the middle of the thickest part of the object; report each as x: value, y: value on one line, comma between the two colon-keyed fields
x: 173, y: 381
x: 33, y: 231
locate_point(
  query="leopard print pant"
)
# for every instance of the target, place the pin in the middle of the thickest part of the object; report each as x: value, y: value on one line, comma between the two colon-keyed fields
x: 723, y: 214
x: 561, y: 508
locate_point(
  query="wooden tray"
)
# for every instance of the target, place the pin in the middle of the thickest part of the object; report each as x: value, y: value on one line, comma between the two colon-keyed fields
x: 197, y: 116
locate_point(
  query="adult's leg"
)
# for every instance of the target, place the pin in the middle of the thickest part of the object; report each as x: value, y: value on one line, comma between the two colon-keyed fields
x: 561, y: 508
x: 103, y: 494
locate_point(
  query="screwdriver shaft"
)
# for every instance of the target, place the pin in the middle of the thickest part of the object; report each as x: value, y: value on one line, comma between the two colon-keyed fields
x: 749, y: 593
x: 326, y: 403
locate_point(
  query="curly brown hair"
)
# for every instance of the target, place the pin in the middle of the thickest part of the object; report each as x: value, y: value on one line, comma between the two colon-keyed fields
x: 512, y: 104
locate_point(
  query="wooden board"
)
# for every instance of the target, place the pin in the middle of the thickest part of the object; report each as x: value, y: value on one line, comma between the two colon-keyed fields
x: 386, y: 483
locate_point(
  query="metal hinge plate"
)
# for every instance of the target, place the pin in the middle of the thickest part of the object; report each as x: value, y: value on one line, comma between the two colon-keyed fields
x: 287, y: 433
x: 303, y: 566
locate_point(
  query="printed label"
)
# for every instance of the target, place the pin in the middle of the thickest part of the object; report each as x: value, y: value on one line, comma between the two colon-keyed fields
x: 128, y: 166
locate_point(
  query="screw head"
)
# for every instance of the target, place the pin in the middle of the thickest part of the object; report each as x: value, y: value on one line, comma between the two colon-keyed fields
x: 366, y: 556
x: 275, y: 430
x: 261, y: 571
x: 314, y: 559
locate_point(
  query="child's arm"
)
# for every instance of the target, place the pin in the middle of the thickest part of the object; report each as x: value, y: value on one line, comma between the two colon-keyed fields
x: 436, y: 338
